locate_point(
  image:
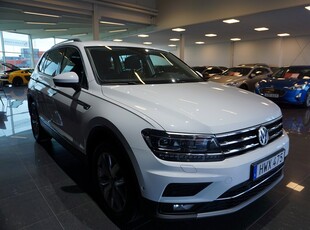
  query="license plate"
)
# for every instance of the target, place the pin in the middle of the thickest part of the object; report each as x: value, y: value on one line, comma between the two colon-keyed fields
x: 273, y: 95
x: 266, y: 165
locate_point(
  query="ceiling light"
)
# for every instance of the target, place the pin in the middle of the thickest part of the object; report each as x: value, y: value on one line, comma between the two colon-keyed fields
x: 235, y: 39
x: 307, y: 7
x: 143, y: 35
x: 40, y: 14
x: 117, y: 40
x: 199, y: 43
x: 283, y: 35
x: 112, y: 23
x: 147, y: 43
x: 55, y: 30
x: 210, y: 35
x: 79, y: 35
x: 231, y: 21
x: 261, y: 29
x: 174, y: 39
x: 117, y: 31
x: 178, y: 29
x: 41, y: 23
x: 172, y: 45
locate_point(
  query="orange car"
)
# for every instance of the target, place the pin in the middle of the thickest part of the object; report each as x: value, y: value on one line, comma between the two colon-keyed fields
x: 15, y: 75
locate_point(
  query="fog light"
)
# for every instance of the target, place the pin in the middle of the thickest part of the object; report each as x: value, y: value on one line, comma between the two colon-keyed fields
x: 298, y: 96
x: 182, y: 207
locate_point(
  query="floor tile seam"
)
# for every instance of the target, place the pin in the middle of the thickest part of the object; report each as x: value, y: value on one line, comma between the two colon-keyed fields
x: 32, y: 224
x: 73, y: 208
x: 42, y: 195
x: 18, y: 195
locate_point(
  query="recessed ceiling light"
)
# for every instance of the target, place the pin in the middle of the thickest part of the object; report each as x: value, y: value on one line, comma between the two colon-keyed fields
x: 79, y: 35
x: 231, y: 21
x: 307, y: 7
x: 117, y: 40
x: 41, y: 23
x: 235, y: 39
x: 178, y: 29
x: 261, y: 29
x: 112, y: 23
x: 210, y: 35
x: 55, y: 30
x: 174, y: 39
x: 117, y: 31
x: 172, y: 45
x: 41, y: 14
x: 143, y: 35
x: 283, y: 35
x: 199, y: 43
x: 147, y: 43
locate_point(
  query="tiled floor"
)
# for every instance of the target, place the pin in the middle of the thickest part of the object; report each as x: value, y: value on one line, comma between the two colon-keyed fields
x: 47, y: 188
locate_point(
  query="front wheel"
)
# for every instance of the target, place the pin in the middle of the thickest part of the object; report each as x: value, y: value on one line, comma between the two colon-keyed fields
x: 38, y: 132
x: 114, y: 183
x: 17, y: 81
x: 307, y: 100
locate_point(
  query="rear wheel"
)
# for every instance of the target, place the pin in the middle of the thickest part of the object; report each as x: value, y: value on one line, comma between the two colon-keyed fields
x: 307, y: 100
x: 17, y: 81
x: 114, y: 183
x: 38, y: 132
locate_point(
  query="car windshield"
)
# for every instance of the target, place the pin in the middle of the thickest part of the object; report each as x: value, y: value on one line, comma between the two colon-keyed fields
x: 126, y: 65
x: 237, y: 71
x: 293, y: 73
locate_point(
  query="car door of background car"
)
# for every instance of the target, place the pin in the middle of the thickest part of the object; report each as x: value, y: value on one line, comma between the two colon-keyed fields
x: 260, y: 74
x: 67, y: 101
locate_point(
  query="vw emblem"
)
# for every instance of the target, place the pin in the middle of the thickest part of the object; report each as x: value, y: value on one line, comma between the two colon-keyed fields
x: 263, y: 135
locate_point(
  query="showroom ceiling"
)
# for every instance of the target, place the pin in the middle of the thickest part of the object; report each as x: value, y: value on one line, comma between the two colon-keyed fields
x: 131, y: 20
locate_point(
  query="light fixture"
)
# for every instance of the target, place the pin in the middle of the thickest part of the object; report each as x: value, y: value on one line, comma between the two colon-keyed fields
x: 261, y: 29
x: 210, y: 35
x: 174, y: 39
x: 41, y: 23
x: 235, y: 39
x: 178, y: 29
x: 283, y: 35
x: 199, y: 43
x: 231, y: 21
x: 172, y: 45
x: 79, y: 35
x: 147, y: 43
x: 112, y: 23
x: 55, y: 30
x: 41, y: 14
x: 117, y: 40
x: 117, y: 31
x: 143, y: 35
x: 307, y: 7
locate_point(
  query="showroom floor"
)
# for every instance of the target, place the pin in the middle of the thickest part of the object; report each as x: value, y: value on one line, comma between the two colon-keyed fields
x: 47, y: 188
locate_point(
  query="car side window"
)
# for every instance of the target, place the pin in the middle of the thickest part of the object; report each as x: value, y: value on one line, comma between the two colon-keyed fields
x: 50, y: 62
x: 72, y: 62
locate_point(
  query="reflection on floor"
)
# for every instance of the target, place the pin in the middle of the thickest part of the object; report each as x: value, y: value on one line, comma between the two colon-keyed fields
x: 47, y: 188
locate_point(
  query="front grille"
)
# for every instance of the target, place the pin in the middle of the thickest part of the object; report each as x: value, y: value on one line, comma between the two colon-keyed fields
x: 267, y: 91
x: 239, y: 142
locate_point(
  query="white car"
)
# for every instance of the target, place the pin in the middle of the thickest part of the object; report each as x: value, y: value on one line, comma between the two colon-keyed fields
x: 154, y: 133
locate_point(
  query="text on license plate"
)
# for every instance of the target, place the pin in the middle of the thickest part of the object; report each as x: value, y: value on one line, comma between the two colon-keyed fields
x: 273, y: 95
x: 263, y: 167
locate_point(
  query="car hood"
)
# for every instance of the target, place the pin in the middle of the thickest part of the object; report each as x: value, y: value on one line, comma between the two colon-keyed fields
x: 204, y: 107
x: 226, y: 79
x: 281, y: 82
x: 11, y: 66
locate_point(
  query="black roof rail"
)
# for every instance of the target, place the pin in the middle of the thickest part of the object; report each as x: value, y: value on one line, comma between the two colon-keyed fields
x: 70, y: 40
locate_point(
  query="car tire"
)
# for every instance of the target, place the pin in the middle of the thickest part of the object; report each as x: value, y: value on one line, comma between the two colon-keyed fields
x: 307, y: 100
x: 17, y: 81
x: 114, y: 184
x: 39, y: 134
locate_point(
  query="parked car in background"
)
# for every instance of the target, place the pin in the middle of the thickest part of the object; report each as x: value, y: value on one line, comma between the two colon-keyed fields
x: 287, y: 85
x: 244, y: 77
x: 15, y: 75
x: 154, y: 133
x: 209, y: 71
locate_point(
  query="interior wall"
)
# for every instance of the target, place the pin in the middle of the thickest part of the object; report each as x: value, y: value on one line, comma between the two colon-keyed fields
x: 274, y: 52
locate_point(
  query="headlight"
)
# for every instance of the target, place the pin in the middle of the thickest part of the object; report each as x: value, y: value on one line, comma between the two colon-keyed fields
x: 297, y: 86
x: 183, y: 147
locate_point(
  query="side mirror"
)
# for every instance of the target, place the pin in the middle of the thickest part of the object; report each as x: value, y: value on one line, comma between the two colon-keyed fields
x: 69, y: 79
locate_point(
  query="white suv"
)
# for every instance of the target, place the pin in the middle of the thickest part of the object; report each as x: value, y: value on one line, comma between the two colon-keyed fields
x: 154, y: 133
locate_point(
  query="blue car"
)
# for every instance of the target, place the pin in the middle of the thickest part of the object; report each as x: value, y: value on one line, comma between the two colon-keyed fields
x: 287, y: 85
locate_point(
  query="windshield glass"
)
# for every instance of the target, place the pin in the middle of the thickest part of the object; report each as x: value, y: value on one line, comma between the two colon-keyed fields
x: 125, y: 65
x: 236, y: 71
x: 293, y: 73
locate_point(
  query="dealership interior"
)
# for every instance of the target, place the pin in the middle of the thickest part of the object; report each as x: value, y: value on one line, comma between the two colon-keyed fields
x: 47, y: 187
